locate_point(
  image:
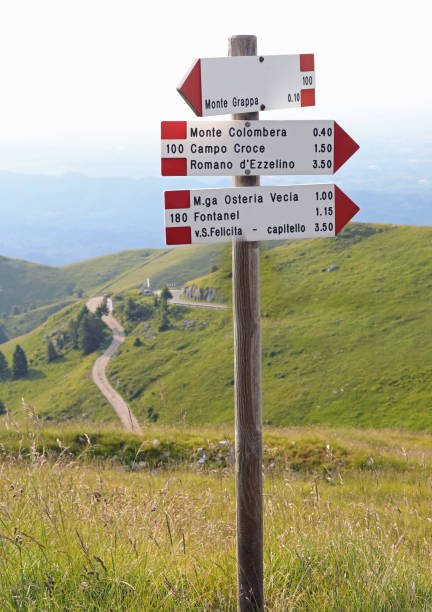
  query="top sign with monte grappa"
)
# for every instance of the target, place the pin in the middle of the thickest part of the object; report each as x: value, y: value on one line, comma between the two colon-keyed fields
x: 245, y: 84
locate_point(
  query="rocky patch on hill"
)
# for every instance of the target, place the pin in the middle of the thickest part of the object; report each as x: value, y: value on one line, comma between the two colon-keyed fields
x: 208, y: 294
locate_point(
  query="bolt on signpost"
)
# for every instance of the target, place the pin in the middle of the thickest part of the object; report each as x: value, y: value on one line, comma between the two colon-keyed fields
x: 243, y: 84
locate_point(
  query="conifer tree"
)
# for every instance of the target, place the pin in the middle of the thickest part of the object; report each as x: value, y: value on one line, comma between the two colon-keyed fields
x: 164, y: 320
x: 165, y: 294
x: 164, y: 297
x: 85, y: 343
x: 73, y: 326
x: 91, y: 333
x: 19, y: 363
x: 102, y: 309
x: 51, y: 352
x: 72, y: 333
x: 4, y: 368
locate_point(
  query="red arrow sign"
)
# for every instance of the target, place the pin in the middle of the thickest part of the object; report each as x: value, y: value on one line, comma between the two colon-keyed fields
x: 256, y: 213
x: 190, y: 88
x: 344, y: 147
x: 345, y: 209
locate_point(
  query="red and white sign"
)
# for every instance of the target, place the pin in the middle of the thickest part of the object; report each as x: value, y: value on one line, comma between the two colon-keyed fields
x: 204, y: 148
x: 244, y: 84
x: 256, y: 213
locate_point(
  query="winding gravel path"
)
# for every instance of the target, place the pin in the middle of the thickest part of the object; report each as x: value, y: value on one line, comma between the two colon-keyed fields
x: 122, y: 409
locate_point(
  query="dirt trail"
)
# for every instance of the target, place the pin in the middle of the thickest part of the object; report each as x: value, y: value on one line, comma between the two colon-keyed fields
x: 122, y: 409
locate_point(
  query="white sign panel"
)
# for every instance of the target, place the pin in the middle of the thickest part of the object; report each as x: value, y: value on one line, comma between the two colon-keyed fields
x: 243, y: 84
x: 238, y: 148
x: 256, y: 213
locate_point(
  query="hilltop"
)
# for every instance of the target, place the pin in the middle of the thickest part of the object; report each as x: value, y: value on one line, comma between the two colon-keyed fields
x: 30, y: 292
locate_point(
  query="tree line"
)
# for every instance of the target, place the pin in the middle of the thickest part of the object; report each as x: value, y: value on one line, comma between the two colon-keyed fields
x: 85, y: 333
x: 133, y: 312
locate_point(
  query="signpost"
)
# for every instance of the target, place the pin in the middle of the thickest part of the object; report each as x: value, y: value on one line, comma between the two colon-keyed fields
x: 247, y: 395
x: 222, y: 85
x: 256, y: 213
x: 204, y: 148
x: 245, y: 148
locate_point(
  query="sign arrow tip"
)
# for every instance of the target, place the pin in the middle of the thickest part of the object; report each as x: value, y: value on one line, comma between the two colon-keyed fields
x: 344, y: 147
x: 345, y: 209
x: 190, y: 88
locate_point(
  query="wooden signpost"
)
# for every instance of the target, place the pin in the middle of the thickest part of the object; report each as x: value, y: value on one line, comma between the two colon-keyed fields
x: 247, y: 395
x: 244, y: 83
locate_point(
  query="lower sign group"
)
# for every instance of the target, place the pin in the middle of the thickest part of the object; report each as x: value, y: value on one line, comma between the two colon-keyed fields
x: 256, y: 213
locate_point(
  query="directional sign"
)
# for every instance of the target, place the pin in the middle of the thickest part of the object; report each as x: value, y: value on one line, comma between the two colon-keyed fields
x: 256, y: 213
x: 203, y: 148
x: 222, y: 85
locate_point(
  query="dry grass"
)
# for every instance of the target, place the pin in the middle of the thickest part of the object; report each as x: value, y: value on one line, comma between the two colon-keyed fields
x: 87, y: 535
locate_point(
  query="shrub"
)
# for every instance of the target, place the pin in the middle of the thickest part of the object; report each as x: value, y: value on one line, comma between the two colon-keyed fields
x: 51, y: 352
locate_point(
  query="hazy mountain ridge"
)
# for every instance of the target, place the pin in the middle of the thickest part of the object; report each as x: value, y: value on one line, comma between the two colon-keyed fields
x: 58, y: 219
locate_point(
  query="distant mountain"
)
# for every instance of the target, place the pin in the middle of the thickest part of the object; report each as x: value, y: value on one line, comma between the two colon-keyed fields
x: 57, y: 220
x: 61, y: 219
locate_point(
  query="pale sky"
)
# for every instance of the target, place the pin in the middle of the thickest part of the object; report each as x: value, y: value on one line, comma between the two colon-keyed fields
x: 105, y: 71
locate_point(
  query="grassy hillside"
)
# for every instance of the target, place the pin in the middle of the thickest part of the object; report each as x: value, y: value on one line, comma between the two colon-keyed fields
x: 60, y: 390
x: 29, y: 285
x: 346, y: 521
x: 23, y: 323
x: 30, y: 292
x: 165, y: 266
x: 345, y: 328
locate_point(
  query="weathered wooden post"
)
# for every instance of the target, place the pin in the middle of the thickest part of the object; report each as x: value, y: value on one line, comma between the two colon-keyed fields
x: 248, y: 404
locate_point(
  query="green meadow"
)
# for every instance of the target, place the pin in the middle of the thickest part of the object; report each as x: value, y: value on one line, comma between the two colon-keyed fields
x: 85, y: 525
